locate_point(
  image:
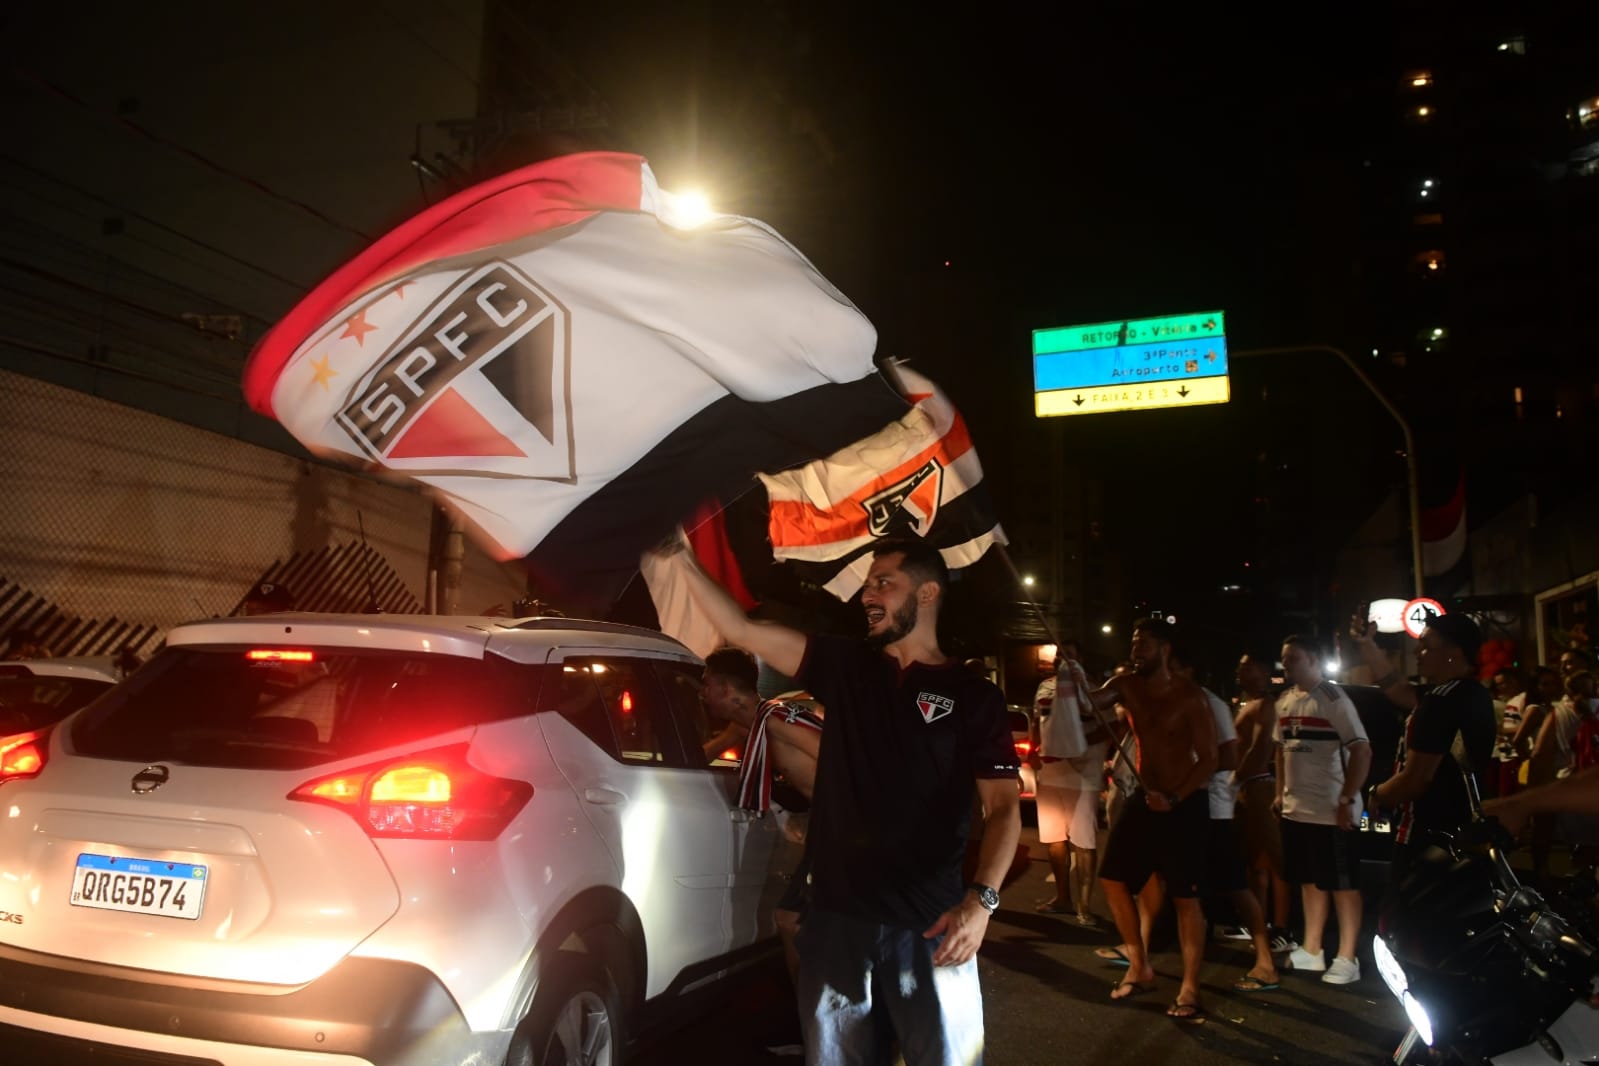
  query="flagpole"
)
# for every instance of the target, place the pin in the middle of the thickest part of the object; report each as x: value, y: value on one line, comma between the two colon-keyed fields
x: 1049, y: 631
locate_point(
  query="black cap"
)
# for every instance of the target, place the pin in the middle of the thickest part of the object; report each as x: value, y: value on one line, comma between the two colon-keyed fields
x: 1459, y: 630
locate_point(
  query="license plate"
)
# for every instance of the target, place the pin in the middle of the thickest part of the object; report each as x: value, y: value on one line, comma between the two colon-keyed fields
x: 139, y: 886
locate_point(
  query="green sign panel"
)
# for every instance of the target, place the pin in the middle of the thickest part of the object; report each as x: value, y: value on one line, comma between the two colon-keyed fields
x: 1134, y: 331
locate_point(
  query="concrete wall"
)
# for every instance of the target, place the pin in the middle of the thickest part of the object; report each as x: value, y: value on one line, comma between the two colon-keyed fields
x: 115, y: 512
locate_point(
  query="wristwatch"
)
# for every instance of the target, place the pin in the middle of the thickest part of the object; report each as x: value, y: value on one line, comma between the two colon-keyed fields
x: 987, y: 897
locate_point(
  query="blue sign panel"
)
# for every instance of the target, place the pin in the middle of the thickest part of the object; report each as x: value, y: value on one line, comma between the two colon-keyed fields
x: 1131, y: 364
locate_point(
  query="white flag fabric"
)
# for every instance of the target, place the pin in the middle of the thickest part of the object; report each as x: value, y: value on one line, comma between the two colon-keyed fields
x: 567, y: 362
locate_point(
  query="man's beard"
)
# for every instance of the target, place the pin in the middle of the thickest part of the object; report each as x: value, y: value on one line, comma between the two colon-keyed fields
x: 900, y: 623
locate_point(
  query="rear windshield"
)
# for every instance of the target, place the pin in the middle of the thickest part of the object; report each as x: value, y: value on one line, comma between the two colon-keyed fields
x: 228, y: 707
x: 28, y: 702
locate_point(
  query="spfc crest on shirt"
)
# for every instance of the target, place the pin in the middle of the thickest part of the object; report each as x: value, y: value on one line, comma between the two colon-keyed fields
x: 934, y: 707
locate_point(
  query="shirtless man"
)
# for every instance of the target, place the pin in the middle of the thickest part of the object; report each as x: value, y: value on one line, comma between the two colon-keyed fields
x: 1163, y: 828
x: 1256, y: 778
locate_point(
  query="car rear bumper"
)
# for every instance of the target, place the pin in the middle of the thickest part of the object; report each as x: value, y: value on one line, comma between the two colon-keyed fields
x: 362, y: 1011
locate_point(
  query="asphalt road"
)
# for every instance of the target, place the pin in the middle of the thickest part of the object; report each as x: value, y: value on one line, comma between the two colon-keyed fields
x: 1046, y: 1000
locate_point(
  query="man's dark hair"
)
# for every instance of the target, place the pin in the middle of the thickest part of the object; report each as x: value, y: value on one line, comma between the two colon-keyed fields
x: 1304, y: 644
x: 1158, y: 628
x: 1586, y: 659
x: 735, y: 664
x: 921, y: 560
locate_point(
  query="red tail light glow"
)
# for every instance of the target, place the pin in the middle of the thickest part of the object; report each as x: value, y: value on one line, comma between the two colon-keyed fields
x: 279, y: 655
x: 430, y: 795
x: 731, y: 755
x: 627, y: 702
x: 1023, y: 747
x: 23, y: 754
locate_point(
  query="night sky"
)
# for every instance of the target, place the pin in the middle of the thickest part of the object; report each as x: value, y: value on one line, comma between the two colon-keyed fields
x: 989, y: 175
x: 965, y: 175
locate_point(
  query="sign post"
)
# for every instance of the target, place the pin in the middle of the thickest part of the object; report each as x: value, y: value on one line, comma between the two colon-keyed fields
x: 1130, y: 365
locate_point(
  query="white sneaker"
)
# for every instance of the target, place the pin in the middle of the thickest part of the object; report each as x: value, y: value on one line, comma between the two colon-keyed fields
x: 1300, y: 959
x: 1342, y: 971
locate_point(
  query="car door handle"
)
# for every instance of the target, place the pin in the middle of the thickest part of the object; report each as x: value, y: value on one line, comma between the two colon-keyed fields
x: 603, y: 796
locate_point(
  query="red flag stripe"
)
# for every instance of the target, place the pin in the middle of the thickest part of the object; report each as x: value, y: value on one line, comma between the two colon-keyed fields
x: 534, y: 199
x: 451, y: 426
x: 802, y: 522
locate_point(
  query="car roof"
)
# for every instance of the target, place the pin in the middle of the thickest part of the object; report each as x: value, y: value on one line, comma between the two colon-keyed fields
x: 86, y: 667
x: 520, y: 639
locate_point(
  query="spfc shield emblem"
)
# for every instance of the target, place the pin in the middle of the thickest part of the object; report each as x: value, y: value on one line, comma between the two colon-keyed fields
x: 913, y: 501
x: 477, y: 383
x: 934, y: 707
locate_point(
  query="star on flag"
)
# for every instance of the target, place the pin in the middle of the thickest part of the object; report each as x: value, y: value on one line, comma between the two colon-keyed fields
x: 357, y: 327
x: 322, y: 371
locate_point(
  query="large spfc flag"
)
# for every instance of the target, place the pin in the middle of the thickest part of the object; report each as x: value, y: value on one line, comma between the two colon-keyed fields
x: 567, y: 360
x: 918, y: 476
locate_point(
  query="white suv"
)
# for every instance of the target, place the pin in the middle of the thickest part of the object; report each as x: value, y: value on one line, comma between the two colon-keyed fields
x: 375, y: 839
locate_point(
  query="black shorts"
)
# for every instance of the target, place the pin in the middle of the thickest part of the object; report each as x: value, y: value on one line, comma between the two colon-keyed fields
x: 1224, y: 858
x: 1170, y: 843
x: 1320, y: 855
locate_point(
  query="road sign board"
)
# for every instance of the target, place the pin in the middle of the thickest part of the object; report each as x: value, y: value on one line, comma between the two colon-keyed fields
x: 1419, y: 613
x: 1128, y: 331
x: 1133, y: 364
x: 1097, y: 399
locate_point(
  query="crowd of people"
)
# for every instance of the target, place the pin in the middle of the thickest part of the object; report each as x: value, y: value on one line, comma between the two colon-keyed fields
x: 1150, y: 789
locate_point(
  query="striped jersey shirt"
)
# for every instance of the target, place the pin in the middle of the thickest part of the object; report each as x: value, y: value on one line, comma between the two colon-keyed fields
x: 1314, y: 730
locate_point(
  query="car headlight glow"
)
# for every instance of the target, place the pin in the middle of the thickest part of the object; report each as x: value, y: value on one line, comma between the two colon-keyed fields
x: 1393, y: 974
x: 1418, y: 1017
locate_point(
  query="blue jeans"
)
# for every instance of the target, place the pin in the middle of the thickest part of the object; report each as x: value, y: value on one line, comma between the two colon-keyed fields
x: 861, y: 985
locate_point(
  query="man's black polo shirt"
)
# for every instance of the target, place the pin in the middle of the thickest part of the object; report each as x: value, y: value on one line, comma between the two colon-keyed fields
x: 895, y: 782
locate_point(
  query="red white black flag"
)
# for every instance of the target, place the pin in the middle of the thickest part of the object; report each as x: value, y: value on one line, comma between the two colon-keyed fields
x: 918, y: 476
x: 568, y: 360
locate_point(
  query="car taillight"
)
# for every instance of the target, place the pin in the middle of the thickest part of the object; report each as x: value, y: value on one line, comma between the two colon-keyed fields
x: 430, y: 795
x: 1023, y: 747
x: 23, y: 754
x: 280, y: 655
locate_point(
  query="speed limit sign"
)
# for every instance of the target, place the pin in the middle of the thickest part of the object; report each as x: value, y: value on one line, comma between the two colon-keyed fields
x: 1419, y: 613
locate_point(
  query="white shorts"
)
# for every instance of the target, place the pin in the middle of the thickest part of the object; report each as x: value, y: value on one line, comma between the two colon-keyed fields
x: 1066, y: 811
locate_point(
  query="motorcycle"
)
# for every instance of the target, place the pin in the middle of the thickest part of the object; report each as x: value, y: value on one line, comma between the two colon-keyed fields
x: 1488, y: 969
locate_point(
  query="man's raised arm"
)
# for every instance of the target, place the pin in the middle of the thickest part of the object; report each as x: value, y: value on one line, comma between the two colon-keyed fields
x: 777, y: 645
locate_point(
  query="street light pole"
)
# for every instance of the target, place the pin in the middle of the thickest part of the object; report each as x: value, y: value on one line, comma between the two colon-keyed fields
x: 1404, y: 427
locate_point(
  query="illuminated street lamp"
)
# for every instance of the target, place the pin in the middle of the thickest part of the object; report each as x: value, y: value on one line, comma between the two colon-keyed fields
x: 1105, y: 628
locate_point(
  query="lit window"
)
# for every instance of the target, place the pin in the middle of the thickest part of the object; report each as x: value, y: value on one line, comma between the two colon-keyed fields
x: 1419, y: 79
x: 1429, y: 262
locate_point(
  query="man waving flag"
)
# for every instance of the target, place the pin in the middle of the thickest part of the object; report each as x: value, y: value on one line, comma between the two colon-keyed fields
x: 571, y: 361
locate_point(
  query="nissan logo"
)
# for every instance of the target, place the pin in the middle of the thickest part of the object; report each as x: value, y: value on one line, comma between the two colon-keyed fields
x: 150, y: 778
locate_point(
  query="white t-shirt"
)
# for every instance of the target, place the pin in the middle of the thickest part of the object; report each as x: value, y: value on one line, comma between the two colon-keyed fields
x: 1063, y: 726
x: 1222, y: 794
x: 1314, y: 730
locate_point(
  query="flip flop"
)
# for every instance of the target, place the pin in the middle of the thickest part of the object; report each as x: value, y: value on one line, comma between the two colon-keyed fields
x: 1138, y: 988
x: 1185, y: 1012
x: 1115, y: 956
x: 1251, y: 983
